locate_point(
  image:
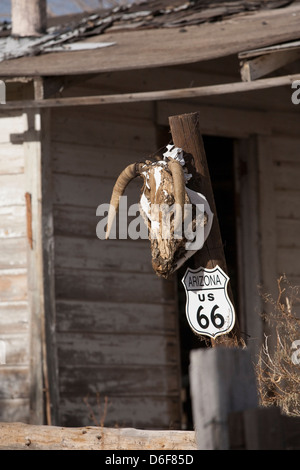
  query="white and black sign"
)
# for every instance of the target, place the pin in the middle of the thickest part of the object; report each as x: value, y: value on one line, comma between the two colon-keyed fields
x: 208, y: 307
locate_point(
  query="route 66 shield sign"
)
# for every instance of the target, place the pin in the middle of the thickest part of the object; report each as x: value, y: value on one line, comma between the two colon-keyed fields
x: 208, y: 307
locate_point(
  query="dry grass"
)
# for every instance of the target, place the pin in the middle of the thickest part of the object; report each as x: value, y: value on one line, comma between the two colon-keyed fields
x: 99, y: 418
x: 277, y: 374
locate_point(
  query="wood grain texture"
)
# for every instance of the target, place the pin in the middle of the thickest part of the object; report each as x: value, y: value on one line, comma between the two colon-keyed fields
x: 21, y: 436
x: 116, y: 321
x: 14, y: 311
x: 116, y: 317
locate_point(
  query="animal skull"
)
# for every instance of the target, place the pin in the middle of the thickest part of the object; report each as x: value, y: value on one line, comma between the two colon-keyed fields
x: 163, y: 202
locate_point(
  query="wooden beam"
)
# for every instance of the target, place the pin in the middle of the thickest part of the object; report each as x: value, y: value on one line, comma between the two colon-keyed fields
x: 32, y: 154
x: 19, y: 436
x: 248, y: 240
x: 186, y: 134
x: 211, y: 90
x: 263, y: 65
x: 50, y: 360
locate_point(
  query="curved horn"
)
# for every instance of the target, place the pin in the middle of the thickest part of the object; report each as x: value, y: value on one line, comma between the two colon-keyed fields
x: 178, y: 183
x: 128, y: 174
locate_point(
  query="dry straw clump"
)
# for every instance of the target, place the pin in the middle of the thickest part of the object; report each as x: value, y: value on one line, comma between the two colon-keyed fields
x: 278, y: 367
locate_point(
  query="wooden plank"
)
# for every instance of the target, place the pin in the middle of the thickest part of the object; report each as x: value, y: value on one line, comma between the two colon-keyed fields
x: 118, y: 381
x: 81, y: 221
x: 287, y: 204
x: 14, y: 317
x: 253, y: 69
x: 17, y: 348
x: 290, y: 428
x: 91, y: 160
x: 73, y: 129
x: 50, y: 364
x: 156, y: 47
x: 83, y: 349
x: 274, y: 48
x: 140, y: 412
x: 12, y: 221
x: 13, y: 253
x: 218, y: 120
x: 127, y: 113
x: 153, y: 79
x: 248, y: 240
x: 87, y: 191
x: 113, y: 317
x: 288, y: 233
x: 286, y: 150
x: 11, y: 158
x: 74, y: 220
x: 14, y: 382
x: 239, y: 116
x: 13, y: 285
x: 98, y: 286
x: 32, y: 153
x: 267, y: 222
x: 12, y: 190
x: 13, y: 126
x: 286, y: 175
x: 261, y: 429
x: 14, y: 410
x: 258, y: 424
x: 288, y: 261
x: 182, y: 93
x: 121, y: 255
x: 22, y: 436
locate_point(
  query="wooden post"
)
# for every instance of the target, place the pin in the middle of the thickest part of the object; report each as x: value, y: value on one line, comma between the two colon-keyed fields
x: 222, y: 382
x: 29, y: 18
x: 186, y: 134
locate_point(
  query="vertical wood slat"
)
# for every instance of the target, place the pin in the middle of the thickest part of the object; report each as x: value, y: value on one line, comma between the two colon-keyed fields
x: 267, y: 225
x: 50, y: 350
x: 32, y: 152
x: 36, y: 147
x: 248, y: 236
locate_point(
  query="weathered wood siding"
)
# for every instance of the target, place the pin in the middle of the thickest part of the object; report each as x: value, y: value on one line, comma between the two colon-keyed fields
x: 14, y: 311
x: 280, y: 210
x: 116, y: 321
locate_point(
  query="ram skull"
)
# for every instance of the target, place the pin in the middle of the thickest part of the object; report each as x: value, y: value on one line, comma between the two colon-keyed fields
x: 164, y: 198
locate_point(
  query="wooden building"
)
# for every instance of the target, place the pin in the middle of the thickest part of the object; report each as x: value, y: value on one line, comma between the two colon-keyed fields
x: 92, y: 335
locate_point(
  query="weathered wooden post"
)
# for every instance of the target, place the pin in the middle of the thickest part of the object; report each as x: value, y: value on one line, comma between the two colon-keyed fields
x: 186, y: 134
x: 222, y: 379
